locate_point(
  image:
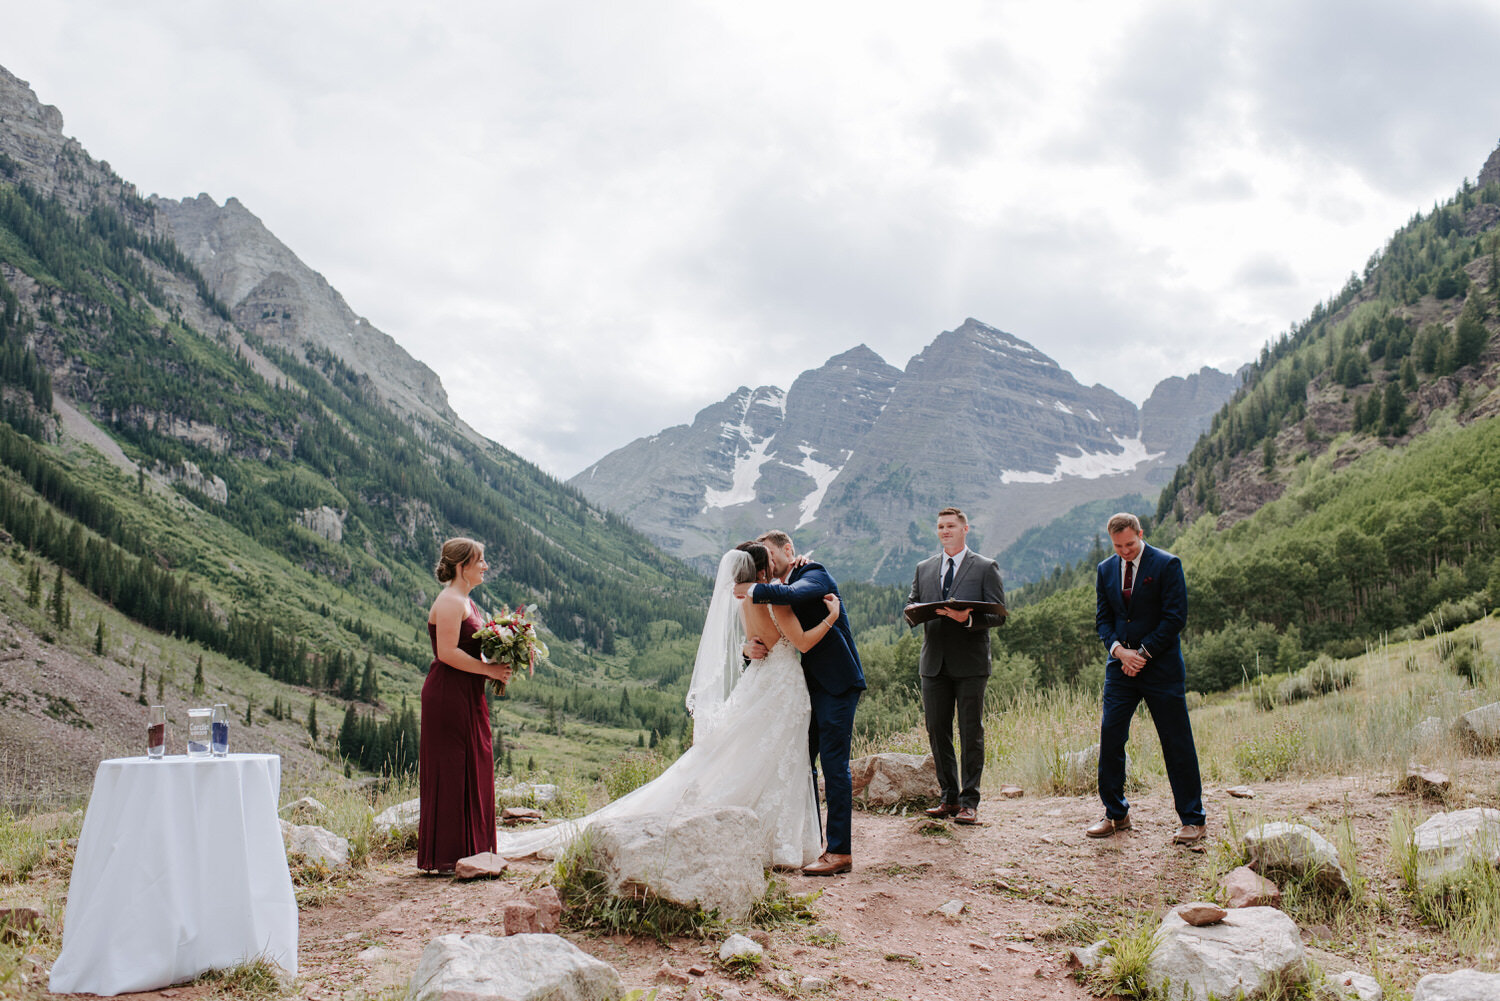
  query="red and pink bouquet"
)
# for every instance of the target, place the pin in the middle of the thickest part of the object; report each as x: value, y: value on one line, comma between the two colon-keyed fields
x: 510, y: 638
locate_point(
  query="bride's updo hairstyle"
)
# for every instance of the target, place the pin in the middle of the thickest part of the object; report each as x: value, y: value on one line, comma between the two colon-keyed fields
x: 759, y: 561
x: 456, y: 553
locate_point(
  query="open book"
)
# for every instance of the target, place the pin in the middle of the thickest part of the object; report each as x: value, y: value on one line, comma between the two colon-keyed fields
x: 922, y: 612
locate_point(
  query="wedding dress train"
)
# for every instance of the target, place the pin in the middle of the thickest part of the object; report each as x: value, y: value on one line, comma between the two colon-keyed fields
x: 749, y: 749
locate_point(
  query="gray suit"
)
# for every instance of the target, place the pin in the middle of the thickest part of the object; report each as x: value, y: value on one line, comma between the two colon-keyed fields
x: 954, y: 668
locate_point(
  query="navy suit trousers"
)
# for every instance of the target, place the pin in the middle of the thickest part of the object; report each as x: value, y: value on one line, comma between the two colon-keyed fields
x: 1167, y: 703
x: 828, y: 744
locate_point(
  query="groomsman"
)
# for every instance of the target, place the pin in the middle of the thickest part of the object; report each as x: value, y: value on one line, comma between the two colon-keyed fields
x: 955, y: 665
x: 1141, y: 608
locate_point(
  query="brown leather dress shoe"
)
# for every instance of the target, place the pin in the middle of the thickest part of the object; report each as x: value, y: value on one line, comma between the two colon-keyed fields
x: 829, y: 864
x: 942, y: 810
x: 968, y: 815
x: 1190, y: 834
x: 1108, y: 826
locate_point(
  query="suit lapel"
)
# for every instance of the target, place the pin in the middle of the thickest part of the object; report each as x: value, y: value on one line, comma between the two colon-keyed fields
x: 1114, y: 568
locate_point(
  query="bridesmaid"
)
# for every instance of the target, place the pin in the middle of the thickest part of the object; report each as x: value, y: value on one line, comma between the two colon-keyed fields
x: 456, y: 768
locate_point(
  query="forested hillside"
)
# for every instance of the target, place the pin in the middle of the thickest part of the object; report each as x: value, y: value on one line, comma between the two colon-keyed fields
x: 268, y: 505
x: 1351, y: 489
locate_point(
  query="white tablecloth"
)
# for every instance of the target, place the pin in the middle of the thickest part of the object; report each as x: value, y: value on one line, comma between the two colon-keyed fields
x: 180, y: 869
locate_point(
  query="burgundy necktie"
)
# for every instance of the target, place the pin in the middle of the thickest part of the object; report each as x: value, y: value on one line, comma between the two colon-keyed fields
x: 1129, y: 579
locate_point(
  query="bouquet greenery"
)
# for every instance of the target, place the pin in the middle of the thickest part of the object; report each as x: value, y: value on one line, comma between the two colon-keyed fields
x: 510, y: 638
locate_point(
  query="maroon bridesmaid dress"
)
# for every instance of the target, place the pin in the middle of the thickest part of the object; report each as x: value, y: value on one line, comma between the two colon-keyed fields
x: 456, y: 765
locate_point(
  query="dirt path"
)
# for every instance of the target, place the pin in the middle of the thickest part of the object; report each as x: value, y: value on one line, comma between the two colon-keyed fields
x: 1032, y: 885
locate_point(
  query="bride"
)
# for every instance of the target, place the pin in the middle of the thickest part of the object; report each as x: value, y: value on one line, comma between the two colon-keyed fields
x: 750, y: 728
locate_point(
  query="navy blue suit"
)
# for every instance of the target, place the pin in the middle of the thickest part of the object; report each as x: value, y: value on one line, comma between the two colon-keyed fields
x: 835, y: 680
x: 1151, y: 621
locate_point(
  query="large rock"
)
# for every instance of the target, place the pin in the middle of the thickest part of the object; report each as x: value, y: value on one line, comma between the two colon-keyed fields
x: 891, y: 779
x: 1447, y: 842
x: 518, y: 968
x: 400, y: 819
x: 712, y: 858
x: 316, y: 844
x: 1296, y: 850
x: 1460, y: 985
x: 1251, y: 949
x: 1479, y: 729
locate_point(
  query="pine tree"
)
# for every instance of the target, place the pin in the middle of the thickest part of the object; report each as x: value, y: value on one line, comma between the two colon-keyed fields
x: 312, y: 720
x: 34, y: 586
x: 57, y: 602
x: 99, y: 639
x: 161, y: 686
x: 249, y: 717
x: 369, y: 689
x: 198, y: 677
x: 141, y: 698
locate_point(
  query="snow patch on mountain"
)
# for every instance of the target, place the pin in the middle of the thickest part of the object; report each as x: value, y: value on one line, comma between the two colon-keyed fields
x: 1088, y: 465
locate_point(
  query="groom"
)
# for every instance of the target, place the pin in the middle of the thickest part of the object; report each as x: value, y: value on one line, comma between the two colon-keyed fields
x: 834, y: 683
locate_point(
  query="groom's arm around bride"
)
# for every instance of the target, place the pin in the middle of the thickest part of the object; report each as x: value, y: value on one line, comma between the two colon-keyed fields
x: 835, y: 680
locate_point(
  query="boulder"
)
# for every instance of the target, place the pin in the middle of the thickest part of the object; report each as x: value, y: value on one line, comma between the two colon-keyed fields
x: 1089, y: 957
x: 303, y: 809
x: 1356, y: 986
x: 534, y: 793
x: 953, y: 909
x: 399, y: 819
x: 1460, y: 985
x: 518, y: 968
x: 1427, y: 730
x: 1425, y: 782
x: 1244, y: 887
x: 709, y: 858
x: 481, y: 866
x: 1296, y: 850
x: 1250, y: 950
x: 519, y: 917
x: 1447, y: 842
x: 1200, y: 913
x: 890, y: 779
x: 316, y: 844
x: 1479, y: 729
x: 1080, y: 769
x: 1011, y: 792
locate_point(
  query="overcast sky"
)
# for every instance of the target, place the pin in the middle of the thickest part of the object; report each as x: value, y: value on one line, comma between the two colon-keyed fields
x: 594, y: 218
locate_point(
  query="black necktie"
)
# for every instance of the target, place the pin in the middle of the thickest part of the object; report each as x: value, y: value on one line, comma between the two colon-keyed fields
x: 1129, y: 580
x: 948, y: 579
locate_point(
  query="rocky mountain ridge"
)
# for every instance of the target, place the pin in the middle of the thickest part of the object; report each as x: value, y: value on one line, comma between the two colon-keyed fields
x: 858, y: 455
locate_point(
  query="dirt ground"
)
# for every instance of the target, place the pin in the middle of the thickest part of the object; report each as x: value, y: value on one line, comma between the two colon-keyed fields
x: 1031, y: 883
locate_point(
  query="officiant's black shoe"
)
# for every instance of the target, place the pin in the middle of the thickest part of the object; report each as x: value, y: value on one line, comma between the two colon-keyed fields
x: 942, y: 810
x: 829, y: 865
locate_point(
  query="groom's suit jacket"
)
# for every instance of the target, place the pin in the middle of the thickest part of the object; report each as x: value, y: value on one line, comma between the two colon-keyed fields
x: 833, y: 665
x: 1153, y: 617
x: 958, y: 651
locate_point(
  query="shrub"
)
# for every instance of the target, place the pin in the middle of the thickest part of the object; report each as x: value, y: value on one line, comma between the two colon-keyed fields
x: 1271, y: 755
x: 631, y: 771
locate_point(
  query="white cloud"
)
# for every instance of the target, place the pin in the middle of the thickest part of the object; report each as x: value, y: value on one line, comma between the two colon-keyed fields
x: 592, y: 219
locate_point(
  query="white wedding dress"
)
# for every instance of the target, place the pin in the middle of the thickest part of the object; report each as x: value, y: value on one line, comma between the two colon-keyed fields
x: 749, y: 747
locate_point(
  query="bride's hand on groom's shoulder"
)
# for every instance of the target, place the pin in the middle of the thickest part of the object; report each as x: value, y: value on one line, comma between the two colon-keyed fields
x: 743, y: 590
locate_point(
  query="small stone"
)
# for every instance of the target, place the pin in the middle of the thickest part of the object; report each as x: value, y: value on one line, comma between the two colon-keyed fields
x: 1200, y: 913
x: 1021, y: 947
x: 952, y: 909
x: 1319, y: 933
x: 979, y: 945
x: 984, y: 967
x: 1359, y: 986
x: 1241, y: 792
x: 667, y: 972
x: 1012, y: 792
x: 373, y: 954
x: 1087, y: 958
x: 485, y: 865
x: 1245, y: 887
x: 740, y: 946
x: 19, y: 923
x: 698, y: 971
x: 1425, y: 782
x: 760, y: 937
x: 513, y: 815
x: 519, y: 917
x: 548, y: 909
x: 814, y: 984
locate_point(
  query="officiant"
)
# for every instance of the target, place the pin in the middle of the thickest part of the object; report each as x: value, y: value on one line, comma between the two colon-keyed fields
x: 955, y: 663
